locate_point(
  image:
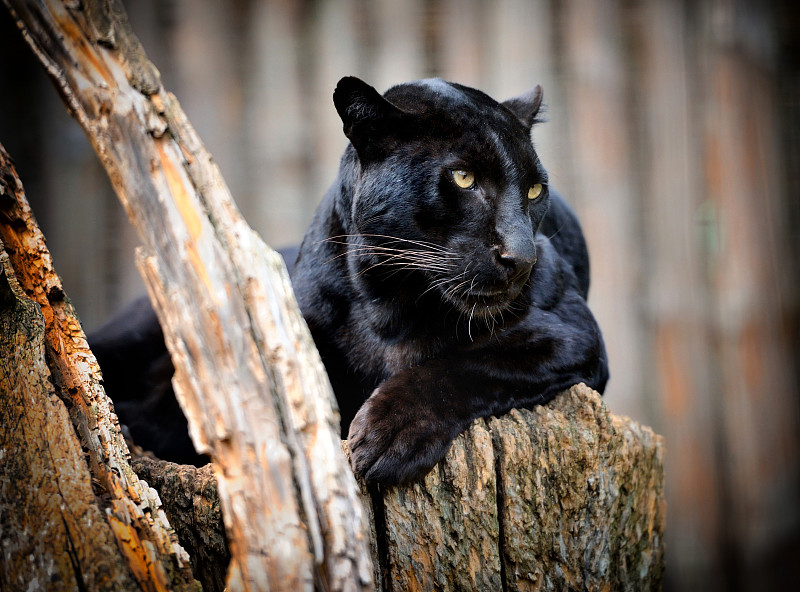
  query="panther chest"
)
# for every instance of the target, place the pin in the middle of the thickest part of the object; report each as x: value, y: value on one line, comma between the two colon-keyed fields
x: 378, y: 357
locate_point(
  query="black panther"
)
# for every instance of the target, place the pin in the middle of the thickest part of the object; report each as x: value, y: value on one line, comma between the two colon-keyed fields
x: 442, y: 279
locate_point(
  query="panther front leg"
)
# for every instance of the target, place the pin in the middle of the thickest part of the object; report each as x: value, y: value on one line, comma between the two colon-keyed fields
x: 405, y: 427
x: 408, y: 423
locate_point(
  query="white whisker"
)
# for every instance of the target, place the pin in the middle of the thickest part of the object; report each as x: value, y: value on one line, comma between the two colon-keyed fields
x: 469, y: 322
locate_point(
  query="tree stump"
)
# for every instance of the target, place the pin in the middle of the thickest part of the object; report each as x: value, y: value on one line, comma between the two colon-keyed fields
x: 565, y: 496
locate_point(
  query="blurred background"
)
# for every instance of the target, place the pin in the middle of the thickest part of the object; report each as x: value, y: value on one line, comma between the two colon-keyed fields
x: 673, y: 129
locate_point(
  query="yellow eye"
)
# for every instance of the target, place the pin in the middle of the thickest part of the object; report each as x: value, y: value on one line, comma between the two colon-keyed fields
x: 535, y: 191
x: 464, y: 179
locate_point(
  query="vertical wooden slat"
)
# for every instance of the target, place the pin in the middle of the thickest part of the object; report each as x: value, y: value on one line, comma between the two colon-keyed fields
x: 601, y: 166
x: 757, y: 401
x: 337, y: 48
x: 78, y: 228
x: 274, y: 130
x: 519, y: 52
x: 676, y: 294
x: 516, y: 36
x: 460, y: 39
x: 205, y: 40
x: 399, y: 43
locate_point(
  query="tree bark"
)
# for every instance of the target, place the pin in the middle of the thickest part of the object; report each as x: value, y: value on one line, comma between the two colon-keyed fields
x: 562, y: 497
x: 73, y: 514
x: 191, y: 502
x: 247, y: 374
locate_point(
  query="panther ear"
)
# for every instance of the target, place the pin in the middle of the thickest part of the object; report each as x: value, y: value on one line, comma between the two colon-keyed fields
x: 366, y: 115
x: 527, y: 106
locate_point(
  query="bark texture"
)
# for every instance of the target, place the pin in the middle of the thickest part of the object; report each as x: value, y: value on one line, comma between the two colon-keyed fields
x: 73, y: 514
x: 562, y: 497
x: 247, y: 373
x: 574, y: 472
x: 191, y: 502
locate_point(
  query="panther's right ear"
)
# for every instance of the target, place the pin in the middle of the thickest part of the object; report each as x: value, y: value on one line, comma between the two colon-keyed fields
x: 368, y: 118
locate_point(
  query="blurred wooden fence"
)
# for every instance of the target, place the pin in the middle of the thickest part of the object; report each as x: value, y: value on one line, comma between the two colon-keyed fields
x: 672, y: 130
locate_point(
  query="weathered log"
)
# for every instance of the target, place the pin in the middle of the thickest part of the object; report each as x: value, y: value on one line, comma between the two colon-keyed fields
x: 563, y: 497
x: 248, y: 376
x: 73, y: 514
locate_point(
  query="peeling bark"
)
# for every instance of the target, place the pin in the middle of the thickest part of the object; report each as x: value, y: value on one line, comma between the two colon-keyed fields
x: 68, y: 496
x: 45, y: 500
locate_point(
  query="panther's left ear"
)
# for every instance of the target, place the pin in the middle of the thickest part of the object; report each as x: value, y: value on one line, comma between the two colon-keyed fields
x: 527, y: 106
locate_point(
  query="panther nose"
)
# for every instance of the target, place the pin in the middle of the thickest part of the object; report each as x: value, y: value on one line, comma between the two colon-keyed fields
x: 517, y: 263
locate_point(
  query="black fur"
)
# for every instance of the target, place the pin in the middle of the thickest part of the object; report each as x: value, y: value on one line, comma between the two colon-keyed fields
x: 137, y: 373
x: 431, y: 304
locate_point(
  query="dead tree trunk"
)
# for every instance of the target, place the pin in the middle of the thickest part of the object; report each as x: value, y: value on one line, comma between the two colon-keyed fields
x: 73, y: 514
x: 565, y: 496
